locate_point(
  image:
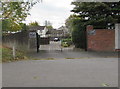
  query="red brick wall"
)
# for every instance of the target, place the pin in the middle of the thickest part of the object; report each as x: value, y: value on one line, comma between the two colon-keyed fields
x: 101, y: 40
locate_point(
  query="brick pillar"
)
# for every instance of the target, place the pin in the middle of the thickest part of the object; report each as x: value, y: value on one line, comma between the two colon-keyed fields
x: 88, y: 28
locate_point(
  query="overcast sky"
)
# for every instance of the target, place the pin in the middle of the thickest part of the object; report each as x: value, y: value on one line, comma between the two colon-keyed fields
x: 55, y: 11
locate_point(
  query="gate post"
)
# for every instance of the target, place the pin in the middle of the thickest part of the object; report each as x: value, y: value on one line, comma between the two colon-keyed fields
x: 37, y: 42
x: 32, y: 40
x: 117, y: 37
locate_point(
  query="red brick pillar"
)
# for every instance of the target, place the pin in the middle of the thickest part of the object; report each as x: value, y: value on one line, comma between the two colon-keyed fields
x: 89, y: 27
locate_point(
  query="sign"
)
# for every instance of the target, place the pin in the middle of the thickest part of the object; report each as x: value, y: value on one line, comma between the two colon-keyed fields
x: 32, y: 34
x: 91, y: 32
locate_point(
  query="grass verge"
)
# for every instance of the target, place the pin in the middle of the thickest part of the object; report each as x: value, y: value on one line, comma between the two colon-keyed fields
x: 8, y: 57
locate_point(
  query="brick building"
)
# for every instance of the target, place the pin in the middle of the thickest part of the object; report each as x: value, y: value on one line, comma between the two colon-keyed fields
x: 101, y: 39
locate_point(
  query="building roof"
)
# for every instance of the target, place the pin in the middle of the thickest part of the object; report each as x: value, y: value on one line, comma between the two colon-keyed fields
x: 36, y: 28
x: 54, y: 31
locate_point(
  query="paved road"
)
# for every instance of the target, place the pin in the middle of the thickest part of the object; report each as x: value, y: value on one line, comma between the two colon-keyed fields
x: 57, y: 54
x: 61, y: 73
x: 54, y: 46
x: 53, y: 50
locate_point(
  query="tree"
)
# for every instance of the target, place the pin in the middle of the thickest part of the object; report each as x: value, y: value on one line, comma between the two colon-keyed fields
x: 48, y: 24
x: 49, y: 27
x: 99, y: 14
x: 24, y: 27
x: 76, y: 27
x: 34, y: 23
x: 79, y: 37
x: 69, y: 22
x: 14, y: 13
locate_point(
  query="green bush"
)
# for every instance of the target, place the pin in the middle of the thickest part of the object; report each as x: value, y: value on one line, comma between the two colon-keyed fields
x: 79, y: 36
x: 68, y: 40
x: 65, y: 44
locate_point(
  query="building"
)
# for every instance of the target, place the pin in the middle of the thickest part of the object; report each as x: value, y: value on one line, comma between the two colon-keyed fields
x: 64, y: 29
x: 41, y: 30
x: 55, y: 33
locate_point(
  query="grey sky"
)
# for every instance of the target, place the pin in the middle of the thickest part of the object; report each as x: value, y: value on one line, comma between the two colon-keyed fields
x: 55, y: 11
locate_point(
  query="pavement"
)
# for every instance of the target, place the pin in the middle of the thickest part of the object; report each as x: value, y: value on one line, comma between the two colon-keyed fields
x: 70, y: 68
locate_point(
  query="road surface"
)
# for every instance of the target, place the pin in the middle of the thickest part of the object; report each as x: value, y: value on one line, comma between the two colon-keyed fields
x: 70, y: 68
x: 94, y: 72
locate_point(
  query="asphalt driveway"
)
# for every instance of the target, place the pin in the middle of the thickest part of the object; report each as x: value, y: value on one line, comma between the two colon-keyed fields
x: 53, y: 50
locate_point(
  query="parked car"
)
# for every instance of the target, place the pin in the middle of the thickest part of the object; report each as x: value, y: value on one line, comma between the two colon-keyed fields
x: 56, y: 39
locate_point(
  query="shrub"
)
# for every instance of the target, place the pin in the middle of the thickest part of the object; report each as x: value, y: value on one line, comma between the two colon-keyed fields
x: 66, y: 42
x: 79, y: 36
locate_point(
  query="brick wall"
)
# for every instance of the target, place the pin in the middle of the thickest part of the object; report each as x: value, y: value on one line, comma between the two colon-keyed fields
x: 100, y: 39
